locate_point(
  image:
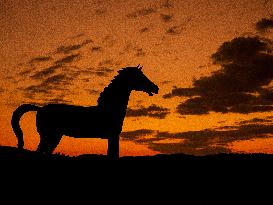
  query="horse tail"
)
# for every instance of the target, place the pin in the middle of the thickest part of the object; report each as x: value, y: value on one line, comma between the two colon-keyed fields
x: 16, y: 116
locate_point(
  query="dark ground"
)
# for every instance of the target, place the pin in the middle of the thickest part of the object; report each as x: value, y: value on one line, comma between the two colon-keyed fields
x: 166, y: 173
x: 14, y: 154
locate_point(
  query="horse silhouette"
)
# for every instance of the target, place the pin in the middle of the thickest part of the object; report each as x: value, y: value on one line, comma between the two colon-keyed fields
x: 102, y: 121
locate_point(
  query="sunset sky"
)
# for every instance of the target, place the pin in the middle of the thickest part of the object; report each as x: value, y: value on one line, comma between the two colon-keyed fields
x: 212, y: 61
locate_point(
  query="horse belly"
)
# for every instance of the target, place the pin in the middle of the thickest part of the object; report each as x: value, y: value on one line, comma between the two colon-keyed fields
x: 76, y: 122
x: 81, y: 130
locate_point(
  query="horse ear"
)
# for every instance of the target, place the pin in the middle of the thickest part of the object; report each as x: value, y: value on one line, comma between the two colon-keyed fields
x: 140, y: 68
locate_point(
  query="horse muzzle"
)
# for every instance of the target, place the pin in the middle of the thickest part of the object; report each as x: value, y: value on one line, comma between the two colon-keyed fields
x: 154, y: 90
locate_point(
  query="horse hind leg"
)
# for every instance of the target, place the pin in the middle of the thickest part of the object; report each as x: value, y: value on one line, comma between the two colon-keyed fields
x: 48, y: 142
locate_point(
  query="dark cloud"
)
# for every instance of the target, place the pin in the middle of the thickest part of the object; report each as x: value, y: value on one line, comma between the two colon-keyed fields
x: 208, y: 137
x: 108, y: 63
x: 68, y: 59
x: 109, y: 41
x: 96, y: 49
x: 59, y: 100
x: 33, y: 89
x: 179, y: 92
x: 177, y: 29
x: 48, y: 100
x: 103, y: 71
x: 256, y: 120
x: 165, y: 82
x: 144, y: 30
x: 174, y: 30
x: 93, y: 91
x: 153, y: 111
x: 57, y: 79
x: 25, y: 73
x: 135, y: 49
x: 241, y: 50
x: 203, y: 142
x: 68, y: 49
x: 166, y: 17
x: 40, y: 59
x: 264, y: 24
x: 87, y: 41
x: 136, y: 134
x: 173, y: 148
x: 100, y: 12
x: 140, y: 52
x: 39, y: 75
x: 10, y: 79
x: 48, y: 86
x: 246, y: 67
x: 142, y: 12
x: 78, y: 36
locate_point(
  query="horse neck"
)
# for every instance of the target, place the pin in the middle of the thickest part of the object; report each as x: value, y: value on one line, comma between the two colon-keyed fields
x: 114, y: 99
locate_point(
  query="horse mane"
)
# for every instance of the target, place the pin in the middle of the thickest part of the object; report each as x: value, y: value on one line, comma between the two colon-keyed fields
x: 115, y: 85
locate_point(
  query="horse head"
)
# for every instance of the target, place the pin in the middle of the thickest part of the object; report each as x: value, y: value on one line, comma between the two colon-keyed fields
x: 136, y: 80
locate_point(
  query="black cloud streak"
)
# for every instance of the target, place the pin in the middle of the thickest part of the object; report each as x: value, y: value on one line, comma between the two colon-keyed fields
x: 136, y: 134
x: 92, y: 91
x: 68, y: 49
x: 239, y: 86
x: 47, y: 72
x: 142, y: 12
x: 49, y: 100
x: 166, y: 17
x: 58, y: 78
x: 177, y: 29
x: 40, y: 59
x: 48, y: 86
x: 68, y: 59
x: 264, y: 24
x: 96, y: 49
x: 140, y: 52
x: 174, y: 30
x: 203, y: 142
x: 100, y: 12
x: 39, y: 75
x: 153, y: 111
x: 144, y: 30
x: 103, y: 71
x: 173, y: 148
x: 256, y: 120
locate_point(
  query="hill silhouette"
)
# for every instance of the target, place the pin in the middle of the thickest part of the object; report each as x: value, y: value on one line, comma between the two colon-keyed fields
x: 15, y: 154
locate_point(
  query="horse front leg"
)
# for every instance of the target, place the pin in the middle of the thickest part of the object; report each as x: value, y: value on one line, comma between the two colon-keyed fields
x: 113, y: 147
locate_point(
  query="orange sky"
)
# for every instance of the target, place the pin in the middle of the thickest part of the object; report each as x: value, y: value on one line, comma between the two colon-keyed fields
x: 173, y: 50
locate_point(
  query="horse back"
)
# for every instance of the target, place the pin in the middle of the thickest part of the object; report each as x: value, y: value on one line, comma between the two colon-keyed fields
x: 77, y: 121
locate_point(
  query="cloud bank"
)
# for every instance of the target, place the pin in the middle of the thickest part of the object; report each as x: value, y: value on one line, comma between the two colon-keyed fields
x: 153, y: 111
x: 241, y: 85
